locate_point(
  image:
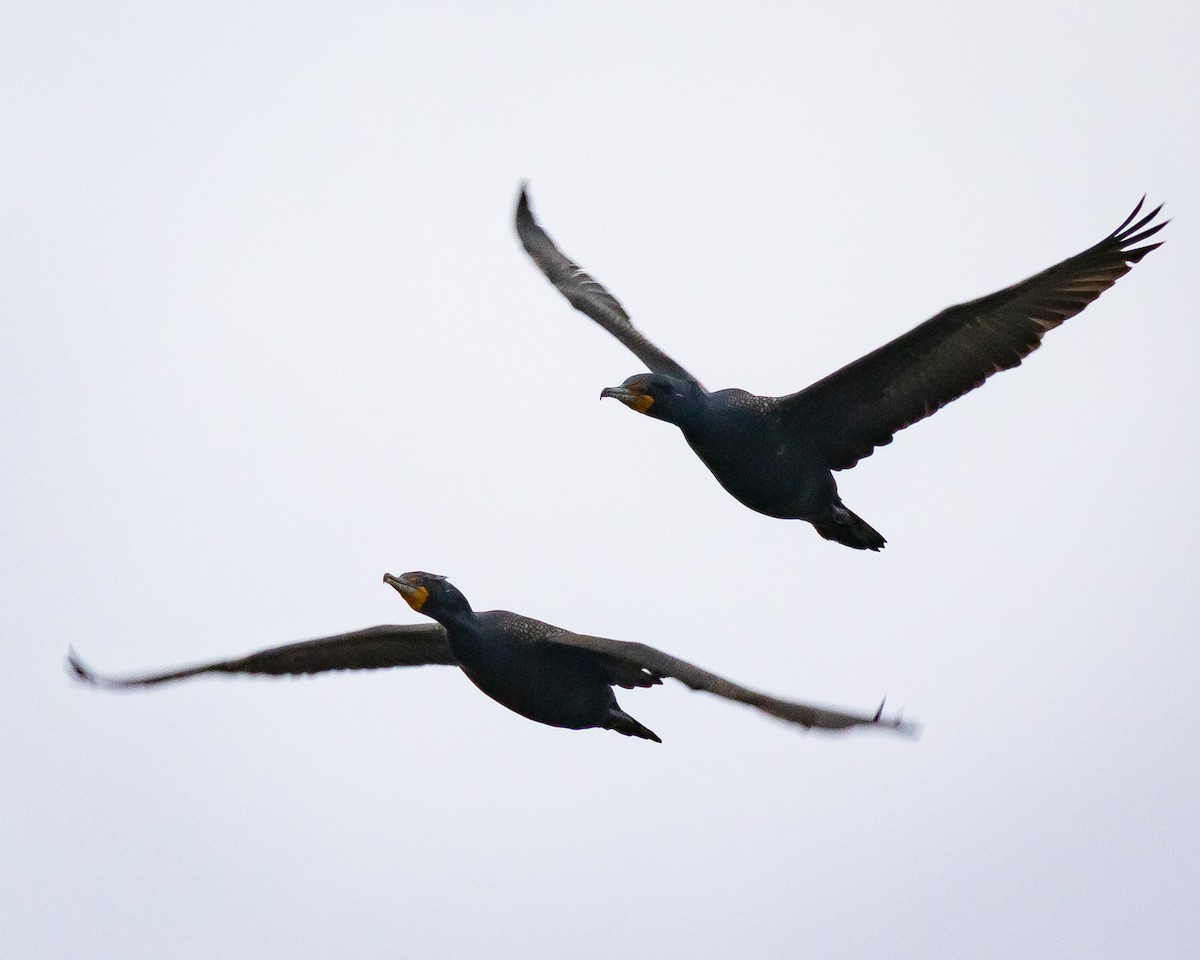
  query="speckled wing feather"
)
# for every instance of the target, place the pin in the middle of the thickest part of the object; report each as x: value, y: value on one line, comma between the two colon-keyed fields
x: 520, y: 629
x: 587, y: 295
x: 864, y: 404
x: 407, y: 645
x: 657, y: 664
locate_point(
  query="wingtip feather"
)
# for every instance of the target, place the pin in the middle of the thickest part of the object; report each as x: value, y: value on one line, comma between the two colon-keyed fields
x: 906, y: 728
x: 523, y: 212
x: 1125, y: 233
x: 80, y: 671
x: 1129, y: 219
x: 1130, y: 240
x: 1145, y: 220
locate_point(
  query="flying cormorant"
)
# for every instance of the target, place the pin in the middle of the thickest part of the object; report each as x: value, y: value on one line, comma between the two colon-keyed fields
x: 776, y: 454
x: 540, y: 671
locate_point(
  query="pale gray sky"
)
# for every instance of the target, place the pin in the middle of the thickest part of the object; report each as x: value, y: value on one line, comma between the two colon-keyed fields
x: 267, y: 334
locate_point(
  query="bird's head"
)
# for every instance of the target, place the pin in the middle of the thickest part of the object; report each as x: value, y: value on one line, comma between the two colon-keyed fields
x: 429, y: 593
x: 657, y: 395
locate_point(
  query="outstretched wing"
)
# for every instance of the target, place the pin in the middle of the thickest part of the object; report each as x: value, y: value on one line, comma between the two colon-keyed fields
x: 585, y: 294
x: 407, y: 645
x: 861, y: 406
x: 655, y: 664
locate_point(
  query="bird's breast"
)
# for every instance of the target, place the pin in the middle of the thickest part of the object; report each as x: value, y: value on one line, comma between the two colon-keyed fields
x: 545, y: 682
x: 762, y: 467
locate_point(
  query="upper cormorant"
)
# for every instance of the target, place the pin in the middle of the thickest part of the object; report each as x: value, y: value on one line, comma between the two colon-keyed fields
x: 776, y: 454
x: 540, y: 671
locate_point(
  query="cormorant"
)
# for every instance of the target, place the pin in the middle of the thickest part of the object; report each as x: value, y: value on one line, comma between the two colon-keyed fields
x: 776, y: 454
x: 540, y: 671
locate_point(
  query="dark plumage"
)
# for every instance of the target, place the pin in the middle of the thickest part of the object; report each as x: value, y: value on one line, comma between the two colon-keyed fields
x: 540, y: 671
x: 776, y: 454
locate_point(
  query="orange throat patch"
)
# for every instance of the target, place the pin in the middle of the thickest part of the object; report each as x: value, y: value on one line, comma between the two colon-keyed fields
x: 641, y: 402
x: 416, y: 598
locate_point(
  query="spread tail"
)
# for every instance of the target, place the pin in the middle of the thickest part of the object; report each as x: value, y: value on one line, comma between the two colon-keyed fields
x: 847, y: 527
x: 622, y: 722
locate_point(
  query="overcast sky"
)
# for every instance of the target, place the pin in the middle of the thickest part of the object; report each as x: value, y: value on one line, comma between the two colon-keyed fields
x: 267, y: 333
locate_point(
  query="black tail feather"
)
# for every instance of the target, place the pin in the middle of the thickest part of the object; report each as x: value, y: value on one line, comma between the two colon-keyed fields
x: 850, y: 529
x: 622, y: 722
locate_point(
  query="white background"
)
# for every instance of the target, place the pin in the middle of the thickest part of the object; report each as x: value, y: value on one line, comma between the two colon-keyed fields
x: 267, y: 333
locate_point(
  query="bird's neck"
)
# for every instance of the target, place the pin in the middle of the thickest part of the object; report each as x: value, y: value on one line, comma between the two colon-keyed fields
x: 451, y: 610
x: 698, y: 415
x: 689, y: 408
x: 457, y: 618
x: 474, y: 640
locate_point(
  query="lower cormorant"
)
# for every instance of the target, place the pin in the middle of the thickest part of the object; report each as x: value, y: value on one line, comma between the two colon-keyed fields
x: 540, y: 671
